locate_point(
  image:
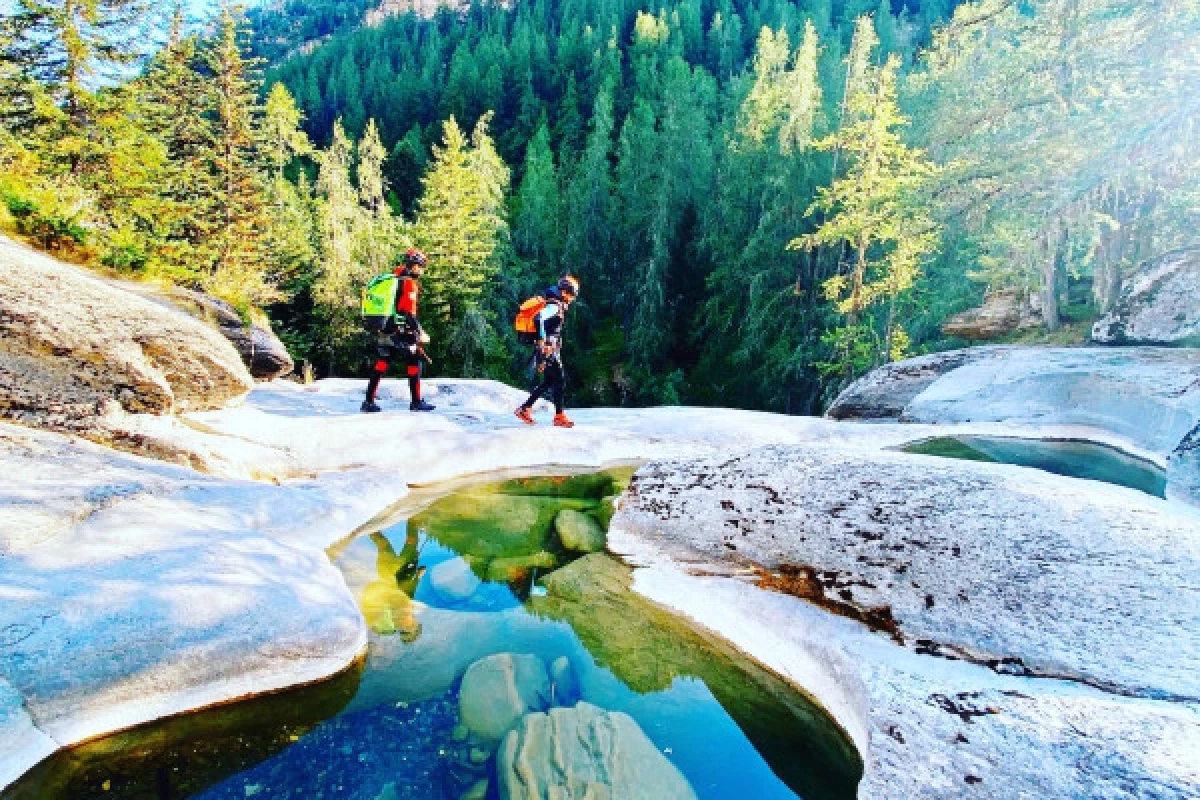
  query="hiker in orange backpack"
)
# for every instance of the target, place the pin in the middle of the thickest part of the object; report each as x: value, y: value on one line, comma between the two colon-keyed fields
x: 403, y: 337
x: 548, y: 322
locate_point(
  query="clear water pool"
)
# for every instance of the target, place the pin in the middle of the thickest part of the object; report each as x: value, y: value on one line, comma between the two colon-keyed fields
x: 474, y: 573
x: 1071, y: 458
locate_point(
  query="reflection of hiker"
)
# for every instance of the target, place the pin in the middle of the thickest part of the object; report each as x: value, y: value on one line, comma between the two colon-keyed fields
x: 387, y: 601
x: 547, y: 356
x: 399, y: 334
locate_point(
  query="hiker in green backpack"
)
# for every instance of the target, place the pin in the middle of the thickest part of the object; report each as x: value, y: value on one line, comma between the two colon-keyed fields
x: 400, y: 335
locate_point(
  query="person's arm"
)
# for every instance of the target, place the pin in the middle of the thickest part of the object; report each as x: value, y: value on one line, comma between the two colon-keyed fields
x: 548, y: 313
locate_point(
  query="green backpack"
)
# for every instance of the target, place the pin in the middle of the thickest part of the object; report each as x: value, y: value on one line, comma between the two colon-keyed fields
x: 379, y: 302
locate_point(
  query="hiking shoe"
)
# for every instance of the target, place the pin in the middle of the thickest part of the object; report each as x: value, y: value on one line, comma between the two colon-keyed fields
x: 523, y: 414
x: 421, y: 405
x: 561, y: 421
x: 369, y: 407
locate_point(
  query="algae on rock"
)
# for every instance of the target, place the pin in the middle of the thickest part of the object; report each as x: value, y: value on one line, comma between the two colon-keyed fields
x: 648, y: 648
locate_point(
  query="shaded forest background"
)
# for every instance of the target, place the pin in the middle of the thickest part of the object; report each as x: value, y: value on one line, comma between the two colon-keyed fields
x: 762, y: 199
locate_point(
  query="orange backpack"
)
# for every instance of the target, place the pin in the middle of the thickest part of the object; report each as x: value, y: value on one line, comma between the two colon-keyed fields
x: 526, y: 321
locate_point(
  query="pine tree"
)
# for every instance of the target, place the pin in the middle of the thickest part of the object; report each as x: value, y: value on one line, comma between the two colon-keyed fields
x: 240, y: 271
x: 340, y: 272
x: 377, y: 240
x: 537, y: 233
x: 291, y: 231
x: 460, y: 219
x: 66, y: 44
x: 874, y: 210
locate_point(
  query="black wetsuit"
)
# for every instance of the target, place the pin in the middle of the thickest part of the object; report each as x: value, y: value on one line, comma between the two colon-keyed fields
x: 401, y: 343
x: 553, y: 382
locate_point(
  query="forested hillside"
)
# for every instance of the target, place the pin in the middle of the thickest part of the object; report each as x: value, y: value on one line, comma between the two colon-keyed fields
x: 663, y: 152
x: 762, y: 199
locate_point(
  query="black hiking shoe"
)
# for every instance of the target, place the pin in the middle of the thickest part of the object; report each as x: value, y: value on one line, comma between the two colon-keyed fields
x: 421, y: 405
x: 369, y: 407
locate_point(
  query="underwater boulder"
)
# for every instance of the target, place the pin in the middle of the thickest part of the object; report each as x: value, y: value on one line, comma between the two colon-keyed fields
x: 500, y: 689
x: 585, y: 752
x: 579, y: 532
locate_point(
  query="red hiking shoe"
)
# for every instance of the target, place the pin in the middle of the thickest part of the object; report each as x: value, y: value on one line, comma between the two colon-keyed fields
x: 523, y: 414
x: 561, y: 421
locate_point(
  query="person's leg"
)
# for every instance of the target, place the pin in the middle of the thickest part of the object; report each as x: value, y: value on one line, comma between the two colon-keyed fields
x: 416, y: 403
x: 523, y: 410
x: 560, y: 389
x: 377, y: 373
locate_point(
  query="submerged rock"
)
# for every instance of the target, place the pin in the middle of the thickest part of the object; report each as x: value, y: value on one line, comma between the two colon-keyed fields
x: 514, y: 525
x: 1160, y: 304
x: 578, y: 531
x: 649, y: 649
x: 498, y: 690
x: 585, y: 753
x: 518, y: 568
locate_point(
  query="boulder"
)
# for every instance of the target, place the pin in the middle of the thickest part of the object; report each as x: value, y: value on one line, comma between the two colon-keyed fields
x: 883, y: 393
x: 1159, y: 305
x: 1148, y: 395
x: 73, y: 346
x: 585, y: 752
x: 453, y: 579
x: 578, y: 531
x: 261, y: 351
x: 500, y: 689
x: 1002, y: 313
x: 1024, y: 570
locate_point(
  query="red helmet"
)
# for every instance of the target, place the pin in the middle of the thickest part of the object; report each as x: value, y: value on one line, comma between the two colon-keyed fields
x: 414, y: 258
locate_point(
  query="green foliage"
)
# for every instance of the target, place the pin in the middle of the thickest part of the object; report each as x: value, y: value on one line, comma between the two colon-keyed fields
x: 875, y: 211
x: 665, y: 153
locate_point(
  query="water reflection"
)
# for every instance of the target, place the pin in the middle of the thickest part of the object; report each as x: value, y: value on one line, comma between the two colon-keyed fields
x: 448, y: 588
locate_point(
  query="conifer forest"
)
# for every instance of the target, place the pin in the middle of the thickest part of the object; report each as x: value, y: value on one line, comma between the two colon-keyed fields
x: 762, y: 199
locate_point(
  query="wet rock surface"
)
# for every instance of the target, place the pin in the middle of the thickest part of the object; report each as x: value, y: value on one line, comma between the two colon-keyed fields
x: 1159, y: 305
x: 585, y: 753
x: 579, y: 532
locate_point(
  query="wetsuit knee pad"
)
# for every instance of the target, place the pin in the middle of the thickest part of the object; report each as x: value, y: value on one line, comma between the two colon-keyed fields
x: 381, y: 365
x: 414, y: 370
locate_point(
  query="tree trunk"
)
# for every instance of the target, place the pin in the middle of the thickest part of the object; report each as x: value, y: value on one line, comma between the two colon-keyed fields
x: 1050, y: 316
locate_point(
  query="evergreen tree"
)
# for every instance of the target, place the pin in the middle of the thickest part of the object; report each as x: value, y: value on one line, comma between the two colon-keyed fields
x: 537, y: 232
x: 291, y: 233
x: 340, y: 273
x: 461, y: 219
x: 874, y: 211
x: 240, y: 271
